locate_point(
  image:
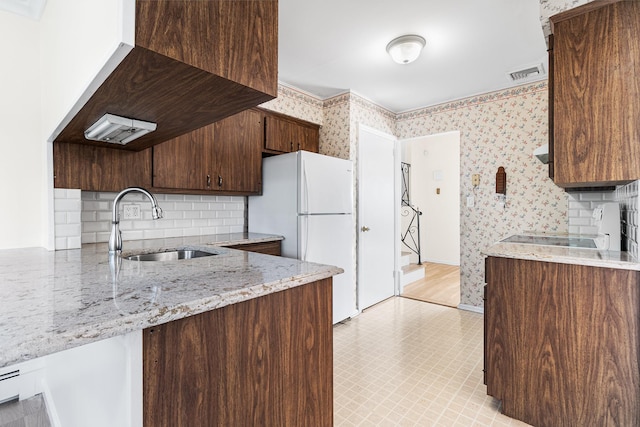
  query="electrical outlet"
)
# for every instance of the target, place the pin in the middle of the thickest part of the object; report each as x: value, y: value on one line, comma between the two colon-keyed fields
x: 131, y: 211
x: 475, y: 179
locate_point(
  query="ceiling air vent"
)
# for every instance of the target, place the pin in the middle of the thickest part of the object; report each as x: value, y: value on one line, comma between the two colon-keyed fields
x: 527, y: 73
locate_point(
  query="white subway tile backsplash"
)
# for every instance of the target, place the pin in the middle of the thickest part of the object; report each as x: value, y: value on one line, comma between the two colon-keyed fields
x: 581, y: 206
x: 581, y: 221
x: 85, y: 217
x: 627, y: 196
x: 67, y: 218
x: 592, y: 196
x: 588, y: 229
x: 67, y: 230
x: 74, y: 241
x: 183, y: 215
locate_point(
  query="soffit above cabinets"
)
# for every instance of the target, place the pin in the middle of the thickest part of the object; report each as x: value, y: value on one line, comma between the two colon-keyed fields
x: 181, y: 77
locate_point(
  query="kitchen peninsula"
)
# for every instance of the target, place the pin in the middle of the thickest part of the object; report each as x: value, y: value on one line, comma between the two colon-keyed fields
x: 562, y: 334
x: 233, y: 336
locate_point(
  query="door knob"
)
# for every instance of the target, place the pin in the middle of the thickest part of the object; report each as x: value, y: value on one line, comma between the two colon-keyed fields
x: 365, y: 229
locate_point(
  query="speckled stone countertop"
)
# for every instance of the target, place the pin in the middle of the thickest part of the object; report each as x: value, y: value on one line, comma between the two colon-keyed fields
x: 52, y: 301
x: 564, y: 255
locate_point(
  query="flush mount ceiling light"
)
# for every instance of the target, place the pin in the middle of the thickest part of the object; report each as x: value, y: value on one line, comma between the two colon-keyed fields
x: 405, y: 49
x: 118, y: 130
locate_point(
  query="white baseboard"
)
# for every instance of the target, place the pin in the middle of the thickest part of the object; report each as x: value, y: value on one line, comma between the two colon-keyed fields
x: 473, y: 308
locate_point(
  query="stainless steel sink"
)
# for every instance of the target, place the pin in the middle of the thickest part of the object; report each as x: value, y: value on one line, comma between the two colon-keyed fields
x: 170, y: 255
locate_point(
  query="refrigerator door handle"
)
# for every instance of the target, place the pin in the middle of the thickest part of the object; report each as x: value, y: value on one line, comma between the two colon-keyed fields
x: 304, y: 237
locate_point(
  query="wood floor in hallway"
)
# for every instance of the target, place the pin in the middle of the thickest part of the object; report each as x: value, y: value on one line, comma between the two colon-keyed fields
x: 441, y: 285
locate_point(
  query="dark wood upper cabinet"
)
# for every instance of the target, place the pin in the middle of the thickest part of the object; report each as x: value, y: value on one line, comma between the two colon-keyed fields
x: 237, y: 152
x: 100, y: 169
x: 223, y: 157
x: 596, y: 94
x: 184, y: 162
x: 194, y: 63
x: 285, y: 134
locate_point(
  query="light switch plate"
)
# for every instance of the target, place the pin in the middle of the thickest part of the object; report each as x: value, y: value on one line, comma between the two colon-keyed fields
x: 471, y: 201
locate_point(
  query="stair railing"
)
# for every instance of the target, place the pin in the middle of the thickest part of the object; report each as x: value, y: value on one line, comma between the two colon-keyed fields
x: 411, y: 236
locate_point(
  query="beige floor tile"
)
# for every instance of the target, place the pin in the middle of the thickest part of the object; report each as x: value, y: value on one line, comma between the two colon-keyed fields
x: 408, y: 363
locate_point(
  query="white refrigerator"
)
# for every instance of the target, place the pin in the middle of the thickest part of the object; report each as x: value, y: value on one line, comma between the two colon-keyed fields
x: 308, y: 199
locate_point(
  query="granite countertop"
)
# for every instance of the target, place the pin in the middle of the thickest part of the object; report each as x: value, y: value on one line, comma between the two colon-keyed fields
x: 55, y: 300
x: 564, y: 254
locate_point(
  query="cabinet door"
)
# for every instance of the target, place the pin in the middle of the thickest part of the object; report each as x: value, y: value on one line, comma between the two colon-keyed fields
x: 237, y: 153
x: 183, y: 162
x: 308, y: 138
x: 596, y: 56
x: 555, y: 331
x: 92, y: 168
x: 279, y: 134
x: 286, y: 135
x: 267, y: 361
x: 269, y: 248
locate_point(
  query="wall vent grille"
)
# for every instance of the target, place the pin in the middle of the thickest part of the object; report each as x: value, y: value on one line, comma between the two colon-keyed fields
x: 527, y: 73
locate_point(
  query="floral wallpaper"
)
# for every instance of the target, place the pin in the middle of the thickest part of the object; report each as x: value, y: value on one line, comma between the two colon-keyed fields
x: 549, y: 8
x: 366, y: 113
x: 335, y: 132
x: 496, y: 129
x: 342, y: 113
x: 296, y: 103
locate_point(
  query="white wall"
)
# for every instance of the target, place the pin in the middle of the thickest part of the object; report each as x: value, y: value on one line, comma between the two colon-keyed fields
x: 440, y: 222
x: 23, y: 215
x: 46, y: 66
x: 82, y: 42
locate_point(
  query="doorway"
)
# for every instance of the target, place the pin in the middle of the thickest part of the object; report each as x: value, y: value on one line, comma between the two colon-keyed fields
x: 376, y: 216
x: 434, y: 190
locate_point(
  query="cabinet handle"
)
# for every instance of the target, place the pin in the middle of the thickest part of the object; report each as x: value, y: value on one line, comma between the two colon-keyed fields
x: 298, y: 146
x: 291, y: 145
x: 208, y: 180
x: 219, y: 181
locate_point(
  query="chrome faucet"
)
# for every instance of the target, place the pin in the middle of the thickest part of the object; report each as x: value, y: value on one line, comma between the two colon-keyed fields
x: 115, y: 239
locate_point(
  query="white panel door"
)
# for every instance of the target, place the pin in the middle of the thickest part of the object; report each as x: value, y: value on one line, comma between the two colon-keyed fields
x: 376, y: 217
x: 327, y: 239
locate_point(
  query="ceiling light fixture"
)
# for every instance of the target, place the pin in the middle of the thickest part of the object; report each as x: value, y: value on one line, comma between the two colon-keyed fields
x: 406, y: 49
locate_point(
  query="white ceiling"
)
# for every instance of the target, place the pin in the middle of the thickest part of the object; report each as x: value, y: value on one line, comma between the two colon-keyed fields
x: 327, y: 47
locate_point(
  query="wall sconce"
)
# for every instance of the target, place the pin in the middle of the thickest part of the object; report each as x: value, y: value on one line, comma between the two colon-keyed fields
x: 406, y: 49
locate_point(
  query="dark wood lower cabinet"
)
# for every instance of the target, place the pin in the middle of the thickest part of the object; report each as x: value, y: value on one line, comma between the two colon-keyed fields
x: 269, y: 248
x: 562, y: 342
x: 262, y: 362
